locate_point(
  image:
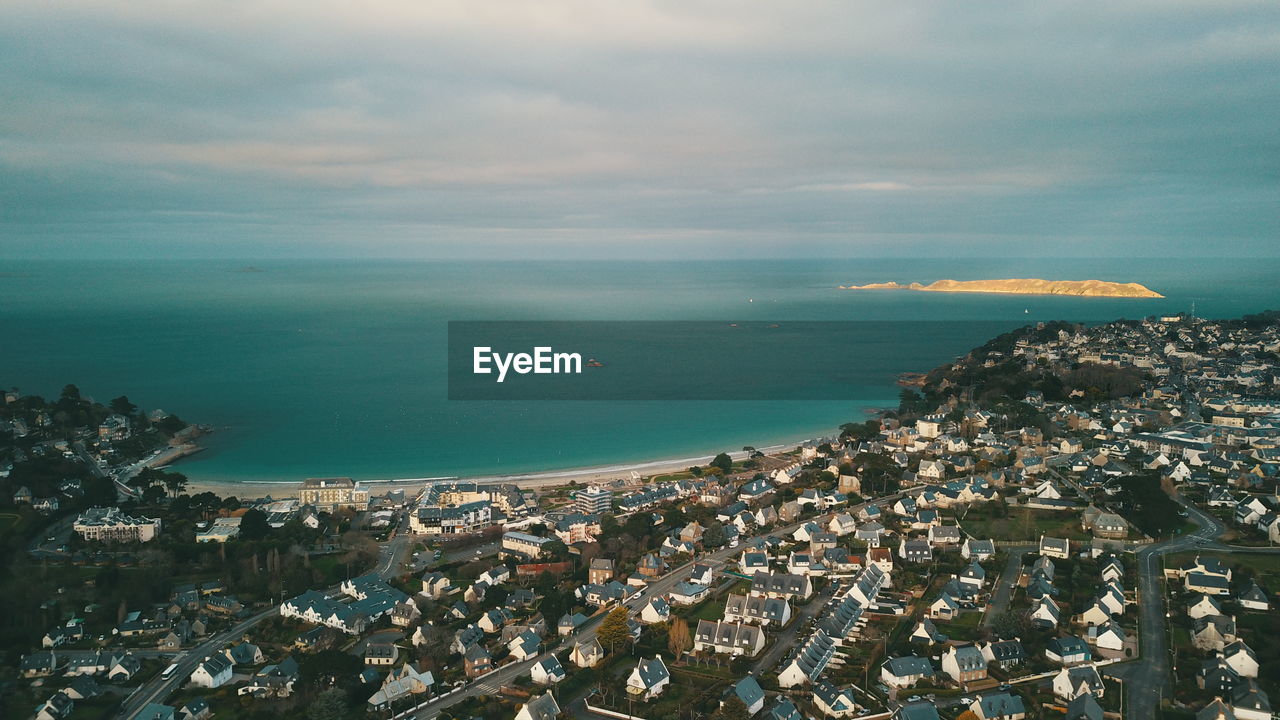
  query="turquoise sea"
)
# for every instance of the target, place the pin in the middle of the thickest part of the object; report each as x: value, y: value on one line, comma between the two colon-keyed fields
x: 310, y: 368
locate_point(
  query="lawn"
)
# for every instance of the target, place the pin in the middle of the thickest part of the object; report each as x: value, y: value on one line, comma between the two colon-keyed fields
x: 964, y: 627
x: 8, y: 521
x: 1024, y: 524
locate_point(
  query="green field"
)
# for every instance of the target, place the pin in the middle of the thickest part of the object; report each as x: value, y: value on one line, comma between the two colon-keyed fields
x: 9, y: 521
x: 1023, y: 524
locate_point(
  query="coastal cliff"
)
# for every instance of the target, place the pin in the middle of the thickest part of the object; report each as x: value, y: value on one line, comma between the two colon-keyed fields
x: 1031, y: 286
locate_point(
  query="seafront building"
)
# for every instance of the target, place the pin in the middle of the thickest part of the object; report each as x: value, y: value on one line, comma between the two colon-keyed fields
x: 462, y: 507
x: 108, y: 524
x: 333, y: 493
x: 594, y: 500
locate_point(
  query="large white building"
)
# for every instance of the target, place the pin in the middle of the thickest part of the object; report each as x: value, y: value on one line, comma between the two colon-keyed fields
x: 333, y: 493
x: 108, y: 524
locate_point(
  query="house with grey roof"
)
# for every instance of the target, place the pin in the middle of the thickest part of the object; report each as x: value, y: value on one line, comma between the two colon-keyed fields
x: 649, y: 678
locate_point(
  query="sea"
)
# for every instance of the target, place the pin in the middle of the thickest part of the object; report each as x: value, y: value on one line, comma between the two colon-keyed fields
x: 314, y: 368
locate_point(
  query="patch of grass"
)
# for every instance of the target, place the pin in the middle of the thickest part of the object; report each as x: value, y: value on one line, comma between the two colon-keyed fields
x: 1024, y: 524
x: 964, y: 627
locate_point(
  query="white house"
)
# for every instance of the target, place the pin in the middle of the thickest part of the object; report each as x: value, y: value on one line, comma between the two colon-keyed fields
x: 213, y: 672
x: 649, y: 678
x: 547, y: 671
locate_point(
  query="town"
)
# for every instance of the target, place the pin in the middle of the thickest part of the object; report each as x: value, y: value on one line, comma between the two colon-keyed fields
x: 1067, y: 522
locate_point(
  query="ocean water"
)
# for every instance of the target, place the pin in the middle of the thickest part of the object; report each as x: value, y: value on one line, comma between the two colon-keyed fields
x: 315, y: 368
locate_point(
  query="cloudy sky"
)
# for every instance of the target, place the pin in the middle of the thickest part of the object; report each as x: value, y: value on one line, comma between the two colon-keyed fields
x: 559, y: 128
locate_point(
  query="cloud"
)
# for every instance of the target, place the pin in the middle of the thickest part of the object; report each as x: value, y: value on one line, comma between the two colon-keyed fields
x: 441, y: 123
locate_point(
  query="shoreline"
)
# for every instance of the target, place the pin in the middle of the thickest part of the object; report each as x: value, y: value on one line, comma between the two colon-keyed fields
x: 532, y: 480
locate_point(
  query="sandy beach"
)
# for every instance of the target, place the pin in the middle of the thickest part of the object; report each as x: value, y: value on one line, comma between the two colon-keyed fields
x: 548, y: 478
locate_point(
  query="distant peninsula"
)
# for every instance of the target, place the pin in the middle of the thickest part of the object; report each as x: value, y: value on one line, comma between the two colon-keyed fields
x: 1031, y: 286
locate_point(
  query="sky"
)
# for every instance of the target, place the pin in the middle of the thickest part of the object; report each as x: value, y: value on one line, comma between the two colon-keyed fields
x: 566, y: 128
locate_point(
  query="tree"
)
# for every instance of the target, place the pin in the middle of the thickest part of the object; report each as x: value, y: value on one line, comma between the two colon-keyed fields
x: 724, y: 462
x: 613, y: 629
x: 122, y: 406
x: 328, y: 705
x: 253, y: 525
x: 678, y: 637
x: 70, y: 393
x: 732, y: 709
x: 713, y: 536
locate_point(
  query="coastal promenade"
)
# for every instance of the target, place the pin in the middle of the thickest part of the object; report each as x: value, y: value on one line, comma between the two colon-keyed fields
x: 532, y: 480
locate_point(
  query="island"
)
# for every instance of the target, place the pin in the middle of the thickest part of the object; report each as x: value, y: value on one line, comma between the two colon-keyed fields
x: 1028, y: 286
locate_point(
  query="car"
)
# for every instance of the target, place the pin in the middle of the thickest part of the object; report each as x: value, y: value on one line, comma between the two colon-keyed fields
x: 1005, y: 687
x: 966, y: 700
x: 913, y: 698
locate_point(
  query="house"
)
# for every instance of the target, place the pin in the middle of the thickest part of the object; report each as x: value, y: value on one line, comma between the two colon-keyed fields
x: 405, y: 681
x: 974, y: 575
x: 1216, y: 710
x: 964, y: 663
x: 881, y: 558
x: 543, y: 707
x: 568, y: 623
x: 381, y: 653
x: 753, y: 561
x: 493, y: 620
x: 757, y: 609
x: 587, y: 654
x: 547, y: 671
x: 196, y: 709
x: 244, y: 653
x: 1216, y: 676
x: 435, y: 585
x: 1004, y: 654
x: 728, y: 637
x: 1250, y: 702
x: 1253, y: 598
x: 1096, y: 614
x: 656, y: 610
x: 601, y: 571
x: 1059, y: 548
x: 1199, y: 582
x: 917, y: 711
x: 651, y: 565
x: 999, y: 706
x: 917, y: 551
x: 926, y: 632
x: 156, y: 711
x: 870, y: 533
x: 842, y: 524
x: 277, y: 680
x: 980, y: 550
x: 58, y: 707
x: 476, y: 661
x: 1202, y: 606
x: 1067, y: 650
x: 702, y: 574
x: 781, y: 585
x: 748, y: 690
x: 1073, y: 682
x: 648, y: 679
x: 525, y: 645
x: 214, y: 671
x: 1213, y: 632
x: 834, y: 702
x: 1108, y: 636
x: 687, y: 593
x: 784, y: 709
x: 944, y: 608
x: 1240, y: 658
x: 944, y: 535
x: 905, y: 671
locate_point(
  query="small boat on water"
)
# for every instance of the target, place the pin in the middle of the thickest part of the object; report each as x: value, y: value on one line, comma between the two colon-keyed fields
x: 592, y: 362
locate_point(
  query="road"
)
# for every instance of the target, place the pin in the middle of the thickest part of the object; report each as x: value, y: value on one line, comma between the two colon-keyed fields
x: 1147, y: 680
x: 1004, y: 585
x: 786, y: 640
